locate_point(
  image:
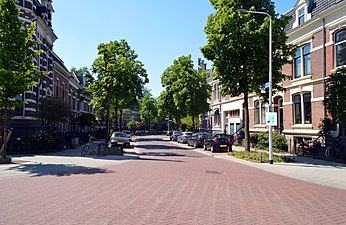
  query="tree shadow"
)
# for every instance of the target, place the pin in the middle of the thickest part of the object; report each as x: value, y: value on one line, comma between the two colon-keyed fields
x: 161, y: 147
x: 59, y: 170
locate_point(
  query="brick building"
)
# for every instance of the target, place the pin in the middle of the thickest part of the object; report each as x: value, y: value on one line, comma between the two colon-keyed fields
x: 318, y: 29
x: 60, y: 82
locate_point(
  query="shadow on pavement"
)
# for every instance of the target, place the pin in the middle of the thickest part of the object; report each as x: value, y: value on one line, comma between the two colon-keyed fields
x: 160, y: 147
x: 160, y: 160
x: 57, y: 169
x: 162, y: 154
x: 311, y: 162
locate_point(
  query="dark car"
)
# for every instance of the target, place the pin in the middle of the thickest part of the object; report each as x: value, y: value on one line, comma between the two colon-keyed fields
x: 197, y: 139
x: 184, y: 137
x: 119, y: 139
x: 174, y: 136
x: 218, y: 142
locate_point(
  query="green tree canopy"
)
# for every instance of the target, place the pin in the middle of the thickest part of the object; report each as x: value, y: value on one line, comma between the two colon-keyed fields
x: 86, y: 120
x: 120, y: 76
x: 53, y: 110
x: 17, y: 51
x: 148, y: 109
x: 186, y: 90
x: 238, y: 47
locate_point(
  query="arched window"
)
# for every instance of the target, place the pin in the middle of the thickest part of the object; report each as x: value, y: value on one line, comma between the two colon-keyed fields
x: 340, y: 48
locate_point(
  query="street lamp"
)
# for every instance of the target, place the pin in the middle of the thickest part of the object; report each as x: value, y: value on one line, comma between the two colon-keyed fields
x: 270, y: 78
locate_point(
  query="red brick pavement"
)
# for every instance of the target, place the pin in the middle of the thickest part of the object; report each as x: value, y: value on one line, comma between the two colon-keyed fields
x: 186, y: 189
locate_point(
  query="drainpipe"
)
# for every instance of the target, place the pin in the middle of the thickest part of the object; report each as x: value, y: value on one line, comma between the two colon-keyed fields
x: 324, y: 65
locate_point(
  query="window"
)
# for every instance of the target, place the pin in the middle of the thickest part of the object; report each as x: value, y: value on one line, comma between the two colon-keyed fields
x: 301, y: 16
x: 302, y: 112
x: 260, y: 112
x: 263, y: 113
x: 302, y: 61
x: 340, y: 48
x: 216, y: 92
x: 257, y: 112
x: 217, y: 118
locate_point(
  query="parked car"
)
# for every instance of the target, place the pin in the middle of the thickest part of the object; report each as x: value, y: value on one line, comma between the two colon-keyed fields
x: 118, y: 139
x: 174, y: 136
x: 140, y: 133
x: 197, y: 139
x: 218, y: 142
x: 183, y: 137
x: 128, y: 133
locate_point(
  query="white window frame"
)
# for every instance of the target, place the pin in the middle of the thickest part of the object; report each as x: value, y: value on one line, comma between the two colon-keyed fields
x: 302, y: 62
x: 335, y: 45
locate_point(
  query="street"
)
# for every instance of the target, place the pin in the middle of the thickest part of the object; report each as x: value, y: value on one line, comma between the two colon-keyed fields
x: 167, y: 183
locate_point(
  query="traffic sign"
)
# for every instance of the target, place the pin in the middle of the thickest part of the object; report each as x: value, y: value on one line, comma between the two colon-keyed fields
x: 272, y: 118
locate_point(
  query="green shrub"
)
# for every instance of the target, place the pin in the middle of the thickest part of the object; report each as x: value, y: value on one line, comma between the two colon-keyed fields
x: 257, y: 156
x: 279, y: 142
x: 44, y: 141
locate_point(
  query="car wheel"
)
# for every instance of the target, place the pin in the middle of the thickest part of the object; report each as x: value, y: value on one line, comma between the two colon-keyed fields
x: 204, y: 147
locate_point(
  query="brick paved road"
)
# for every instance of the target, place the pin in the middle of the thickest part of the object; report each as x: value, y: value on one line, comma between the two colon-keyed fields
x: 169, y: 185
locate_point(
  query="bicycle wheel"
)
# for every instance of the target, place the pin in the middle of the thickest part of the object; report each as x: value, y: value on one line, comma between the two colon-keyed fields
x: 330, y: 152
x: 102, y: 149
x: 85, y: 150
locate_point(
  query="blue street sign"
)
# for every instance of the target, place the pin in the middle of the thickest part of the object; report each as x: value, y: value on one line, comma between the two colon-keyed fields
x: 266, y: 85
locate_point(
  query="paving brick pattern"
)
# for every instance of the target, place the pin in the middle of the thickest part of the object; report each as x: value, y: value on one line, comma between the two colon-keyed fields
x: 170, y: 186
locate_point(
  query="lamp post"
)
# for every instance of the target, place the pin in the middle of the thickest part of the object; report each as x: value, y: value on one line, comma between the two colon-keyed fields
x: 270, y: 78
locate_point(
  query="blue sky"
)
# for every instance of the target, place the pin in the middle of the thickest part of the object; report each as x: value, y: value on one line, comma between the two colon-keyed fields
x: 158, y: 30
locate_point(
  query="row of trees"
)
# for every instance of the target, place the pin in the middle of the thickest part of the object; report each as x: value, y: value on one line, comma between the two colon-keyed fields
x: 119, y: 83
x: 185, y: 93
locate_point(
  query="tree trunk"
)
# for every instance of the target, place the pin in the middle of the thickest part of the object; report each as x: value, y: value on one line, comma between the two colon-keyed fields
x: 121, y: 119
x: 116, y: 113
x: 193, y: 123
x: 4, y: 137
x: 344, y: 143
x: 107, y: 118
x: 246, y: 122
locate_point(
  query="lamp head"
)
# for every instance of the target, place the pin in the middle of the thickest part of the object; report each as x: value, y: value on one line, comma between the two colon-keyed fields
x: 241, y: 10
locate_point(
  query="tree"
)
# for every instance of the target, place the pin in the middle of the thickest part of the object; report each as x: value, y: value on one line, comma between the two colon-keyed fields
x: 52, y: 111
x: 148, y: 109
x: 17, y: 69
x: 336, y: 100
x: 237, y: 46
x: 85, y: 120
x: 186, y: 90
x: 119, y: 76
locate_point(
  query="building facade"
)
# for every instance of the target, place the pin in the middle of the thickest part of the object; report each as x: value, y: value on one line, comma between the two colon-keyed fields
x: 25, y: 122
x: 60, y: 82
x: 318, y: 29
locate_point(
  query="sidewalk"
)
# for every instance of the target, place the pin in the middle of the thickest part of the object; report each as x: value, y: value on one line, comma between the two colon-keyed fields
x: 304, y: 168
x: 64, y: 160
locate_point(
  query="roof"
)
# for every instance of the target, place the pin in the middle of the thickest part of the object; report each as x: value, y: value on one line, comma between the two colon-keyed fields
x: 315, y: 7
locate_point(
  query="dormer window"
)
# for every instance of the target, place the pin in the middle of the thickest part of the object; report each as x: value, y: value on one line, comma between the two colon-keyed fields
x: 301, y: 16
x: 303, y: 13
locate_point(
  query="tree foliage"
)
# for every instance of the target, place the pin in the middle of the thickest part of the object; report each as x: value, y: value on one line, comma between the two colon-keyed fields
x: 238, y: 47
x: 120, y: 76
x: 336, y: 96
x: 186, y: 90
x: 17, y: 51
x: 53, y: 110
x: 148, y: 109
x: 85, y: 120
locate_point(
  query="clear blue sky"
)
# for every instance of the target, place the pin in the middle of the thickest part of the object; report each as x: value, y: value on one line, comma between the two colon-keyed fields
x: 158, y: 30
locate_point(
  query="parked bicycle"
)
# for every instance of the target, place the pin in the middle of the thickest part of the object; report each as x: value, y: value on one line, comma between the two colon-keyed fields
x: 335, y: 150
x: 94, y: 148
x: 310, y: 147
